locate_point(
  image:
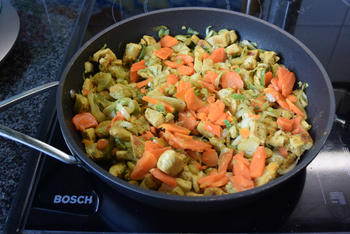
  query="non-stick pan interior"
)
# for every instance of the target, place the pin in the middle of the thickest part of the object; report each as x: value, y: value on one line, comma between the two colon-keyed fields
x: 294, y: 55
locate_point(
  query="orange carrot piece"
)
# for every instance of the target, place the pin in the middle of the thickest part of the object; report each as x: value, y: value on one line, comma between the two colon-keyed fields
x: 149, y: 145
x: 187, y: 120
x: 185, y: 70
x: 294, y: 108
x: 224, y: 161
x: 118, y: 116
x: 216, y: 110
x: 102, y: 144
x: 192, y: 101
x: 292, y: 98
x: 208, y: 180
x: 143, y: 165
x: 297, y: 128
x: 167, y: 179
x: 244, y: 132
x: 172, y: 79
x: 158, y: 151
x: 220, y: 182
x: 218, y: 55
x: 205, y: 55
x: 147, y: 135
x: 213, y: 128
x: 133, y: 76
x: 257, y: 164
x: 163, y: 53
x: 175, y: 128
x: 211, y: 98
x: 178, y: 142
x: 168, y: 41
x: 240, y: 166
x: 84, y: 120
x: 240, y: 157
x: 181, y: 89
x: 287, y: 80
x: 187, y: 59
x: 231, y: 79
x: 285, y: 124
x: 268, y: 77
x: 283, y: 151
x: 154, y: 101
x: 210, y: 77
x: 172, y: 64
x: 143, y: 83
x: 275, y: 83
x: 210, y: 158
x: 241, y: 183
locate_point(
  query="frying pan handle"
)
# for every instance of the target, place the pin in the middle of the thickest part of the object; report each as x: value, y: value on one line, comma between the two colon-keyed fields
x: 36, y: 144
x: 27, y: 94
x: 342, y: 122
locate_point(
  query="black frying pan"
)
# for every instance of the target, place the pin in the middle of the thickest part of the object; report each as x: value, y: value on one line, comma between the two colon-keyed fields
x: 294, y: 55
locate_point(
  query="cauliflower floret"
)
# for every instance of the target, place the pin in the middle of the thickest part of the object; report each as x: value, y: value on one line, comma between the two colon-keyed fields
x: 249, y: 63
x: 299, y: 143
x: 269, y: 57
x: 220, y: 40
x: 278, y: 139
x: 248, y: 145
x: 104, y: 57
x: 132, y: 51
x: 269, y: 174
x: 154, y: 117
x: 233, y: 50
x: 170, y: 163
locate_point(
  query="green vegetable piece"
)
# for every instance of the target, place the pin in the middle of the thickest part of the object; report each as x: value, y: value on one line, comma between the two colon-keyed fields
x: 118, y: 169
x: 142, y: 53
x: 81, y: 104
x: 191, y: 31
x: 160, y: 107
x: 89, y: 134
x: 95, y: 110
x: 262, y: 77
x: 238, y: 96
x: 162, y: 30
x: 120, y: 144
x: 101, y: 129
x: 103, y: 81
x: 227, y: 123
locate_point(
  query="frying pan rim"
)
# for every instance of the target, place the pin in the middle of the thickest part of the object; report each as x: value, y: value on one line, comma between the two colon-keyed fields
x: 110, y: 179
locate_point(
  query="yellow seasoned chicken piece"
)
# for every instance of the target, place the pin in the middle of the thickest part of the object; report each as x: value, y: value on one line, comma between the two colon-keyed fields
x: 269, y: 174
x: 105, y: 58
x: 170, y: 163
x: 299, y: 143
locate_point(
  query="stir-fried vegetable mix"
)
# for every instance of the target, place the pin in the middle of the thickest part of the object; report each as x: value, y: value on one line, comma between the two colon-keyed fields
x: 192, y: 116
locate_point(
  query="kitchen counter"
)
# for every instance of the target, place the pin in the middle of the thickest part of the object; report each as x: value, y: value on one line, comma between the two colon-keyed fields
x: 35, y: 59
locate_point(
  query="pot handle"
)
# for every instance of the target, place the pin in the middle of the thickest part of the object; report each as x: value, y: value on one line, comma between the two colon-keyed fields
x: 27, y: 94
x: 37, y: 145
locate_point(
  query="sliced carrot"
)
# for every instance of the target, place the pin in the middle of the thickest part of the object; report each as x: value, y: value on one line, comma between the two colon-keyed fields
x: 168, y: 41
x: 240, y: 157
x: 210, y: 77
x: 192, y: 101
x: 231, y: 79
x: 218, y: 55
x: 275, y: 83
x: 158, y: 151
x: 212, y: 128
x: 167, y: 179
x: 175, y: 128
x: 240, y: 166
x: 286, y: 79
x: 292, y: 98
x: 285, y: 124
x: 220, y: 182
x: 133, y: 76
x: 211, y: 99
x: 102, y: 144
x: 241, y: 183
x: 181, y: 89
x: 143, y: 90
x: 172, y: 79
x: 244, y: 132
x: 224, y: 161
x: 209, y: 180
x: 147, y: 135
x: 207, y: 85
x: 84, y: 120
x: 185, y: 70
x: 163, y: 53
x: 294, y: 108
x: 187, y: 120
x: 143, y: 83
x: 143, y: 165
x: 210, y: 158
x: 205, y: 55
x: 187, y: 59
x: 118, y: 116
x: 268, y: 77
x: 283, y: 151
x: 149, y: 145
x: 172, y: 64
x: 179, y: 142
x: 216, y: 110
x: 257, y: 164
x: 297, y: 127
x: 154, y: 101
